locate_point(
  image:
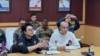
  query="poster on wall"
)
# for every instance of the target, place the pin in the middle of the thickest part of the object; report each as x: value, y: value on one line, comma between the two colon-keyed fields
x: 4, y: 5
x: 35, y: 5
x: 64, y: 5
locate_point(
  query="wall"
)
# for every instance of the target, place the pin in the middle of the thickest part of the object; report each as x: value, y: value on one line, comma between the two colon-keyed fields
x: 92, y: 35
x: 92, y: 28
x: 80, y: 32
x: 93, y: 12
x: 19, y: 9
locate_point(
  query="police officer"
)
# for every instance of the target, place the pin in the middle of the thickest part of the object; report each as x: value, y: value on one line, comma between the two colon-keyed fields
x: 34, y: 21
x: 44, y: 31
x: 68, y: 18
x: 18, y: 32
x: 28, y: 42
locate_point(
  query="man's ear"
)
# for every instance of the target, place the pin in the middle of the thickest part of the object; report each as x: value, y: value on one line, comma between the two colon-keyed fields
x: 24, y: 32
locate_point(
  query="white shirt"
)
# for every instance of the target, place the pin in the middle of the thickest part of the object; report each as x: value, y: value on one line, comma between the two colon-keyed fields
x: 61, y: 40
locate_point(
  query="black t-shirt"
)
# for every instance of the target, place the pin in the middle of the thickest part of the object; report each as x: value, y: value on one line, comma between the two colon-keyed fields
x: 23, y: 43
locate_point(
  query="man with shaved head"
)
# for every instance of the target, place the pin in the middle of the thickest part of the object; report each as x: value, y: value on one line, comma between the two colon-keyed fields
x: 63, y: 39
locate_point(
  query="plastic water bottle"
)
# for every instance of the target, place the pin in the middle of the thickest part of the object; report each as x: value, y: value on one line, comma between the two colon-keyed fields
x: 45, y: 53
x: 91, y: 49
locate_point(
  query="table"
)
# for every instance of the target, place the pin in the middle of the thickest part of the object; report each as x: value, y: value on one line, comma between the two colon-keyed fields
x: 71, y: 53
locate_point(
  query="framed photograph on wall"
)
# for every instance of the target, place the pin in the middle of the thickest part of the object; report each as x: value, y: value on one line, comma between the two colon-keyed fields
x: 5, y: 5
x: 64, y: 5
x: 35, y: 5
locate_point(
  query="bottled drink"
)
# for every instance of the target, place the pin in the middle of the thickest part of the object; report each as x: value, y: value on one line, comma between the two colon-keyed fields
x: 45, y: 53
x: 91, y: 49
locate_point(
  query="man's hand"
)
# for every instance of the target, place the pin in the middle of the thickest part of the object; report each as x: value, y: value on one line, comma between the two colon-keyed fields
x: 43, y: 43
x: 73, y: 16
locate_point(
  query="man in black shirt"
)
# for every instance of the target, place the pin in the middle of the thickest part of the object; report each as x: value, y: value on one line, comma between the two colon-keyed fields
x: 28, y: 42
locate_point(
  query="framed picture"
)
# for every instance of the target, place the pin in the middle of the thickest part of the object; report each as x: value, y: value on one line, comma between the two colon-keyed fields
x: 64, y: 5
x: 35, y: 5
x: 5, y: 5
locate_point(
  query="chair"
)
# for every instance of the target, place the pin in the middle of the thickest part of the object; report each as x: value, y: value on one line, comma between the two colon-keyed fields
x: 9, y: 37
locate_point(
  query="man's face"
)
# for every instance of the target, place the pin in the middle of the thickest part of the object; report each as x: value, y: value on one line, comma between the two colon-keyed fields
x: 64, y: 28
x: 44, y: 24
x: 29, y: 31
x: 22, y: 22
x: 33, y: 18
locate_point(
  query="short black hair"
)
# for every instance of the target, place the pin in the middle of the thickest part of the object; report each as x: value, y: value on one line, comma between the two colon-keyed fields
x: 33, y: 14
x: 23, y: 27
x: 59, y: 22
x: 45, y: 20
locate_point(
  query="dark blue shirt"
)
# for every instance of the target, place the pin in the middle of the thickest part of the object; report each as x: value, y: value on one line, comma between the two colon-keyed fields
x: 23, y: 43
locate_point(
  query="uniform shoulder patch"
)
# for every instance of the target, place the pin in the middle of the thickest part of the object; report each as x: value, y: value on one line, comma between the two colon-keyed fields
x: 20, y: 43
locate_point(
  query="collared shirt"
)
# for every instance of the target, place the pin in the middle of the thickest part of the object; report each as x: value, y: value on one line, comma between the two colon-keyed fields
x: 23, y: 43
x: 41, y: 32
x: 67, y: 40
x: 35, y: 24
x: 17, y: 34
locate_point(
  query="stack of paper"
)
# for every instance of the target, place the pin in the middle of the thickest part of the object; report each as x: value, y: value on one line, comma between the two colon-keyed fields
x: 52, y: 52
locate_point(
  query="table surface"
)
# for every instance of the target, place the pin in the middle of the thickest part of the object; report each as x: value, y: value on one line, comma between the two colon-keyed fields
x: 71, y: 53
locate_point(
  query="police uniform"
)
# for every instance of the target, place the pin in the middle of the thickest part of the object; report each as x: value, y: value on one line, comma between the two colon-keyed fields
x: 23, y: 43
x: 17, y: 34
x: 41, y: 32
x: 35, y: 24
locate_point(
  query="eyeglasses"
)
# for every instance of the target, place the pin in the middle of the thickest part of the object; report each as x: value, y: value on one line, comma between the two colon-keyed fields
x: 65, y: 27
x: 29, y: 29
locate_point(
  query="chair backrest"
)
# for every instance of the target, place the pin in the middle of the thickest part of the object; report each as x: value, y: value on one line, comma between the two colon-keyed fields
x: 9, y: 37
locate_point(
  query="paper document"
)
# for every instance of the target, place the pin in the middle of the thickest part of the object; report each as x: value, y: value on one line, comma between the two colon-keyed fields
x: 71, y: 47
x: 52, y: 52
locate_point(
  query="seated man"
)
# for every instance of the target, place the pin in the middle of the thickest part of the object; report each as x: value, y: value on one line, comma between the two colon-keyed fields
x: 34, y: 21
x: 44, y: 31
x: 28, y: 42
x: 63, y: 39
x: 18, y: 32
